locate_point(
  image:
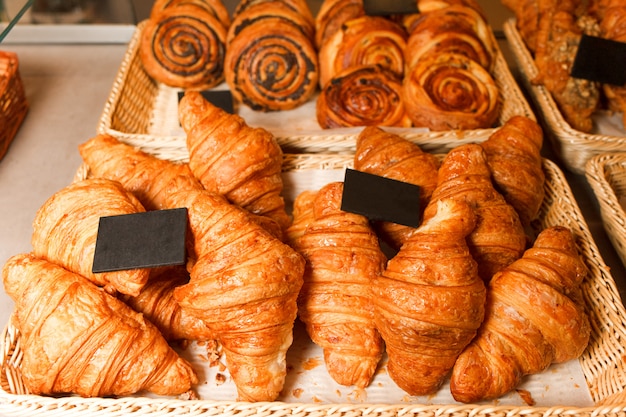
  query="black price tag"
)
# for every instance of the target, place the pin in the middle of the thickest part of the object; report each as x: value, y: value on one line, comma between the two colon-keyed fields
x: 601, y: 60
x: 141, y: 240
x: 389, y: 7
x: 219, y: 98
x: 380, y: 198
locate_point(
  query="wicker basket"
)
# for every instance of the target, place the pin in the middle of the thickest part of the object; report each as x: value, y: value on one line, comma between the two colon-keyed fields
x: 13, y: 104
x: 573, y: 147
x: 601, y: 363
x: 140, y: 111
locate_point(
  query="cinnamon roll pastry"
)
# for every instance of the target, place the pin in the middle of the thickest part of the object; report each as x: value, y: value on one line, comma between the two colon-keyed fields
x: 184, y: 46
x: 332, y: 15
x: 451, y: 91
x: 613, y: 26
x: 365, y: 40
x: 215, y: 7
x: 299, y: 6
x: 362, y: 96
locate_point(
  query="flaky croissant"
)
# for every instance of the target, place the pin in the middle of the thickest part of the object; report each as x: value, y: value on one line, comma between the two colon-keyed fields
x: 78, y: 339
x: 146, y: 176
x: 233, y: 159
x: 429, y: 301
x: 535, y: 317
x: 498, y: 238
x: 65, y: 230
x: 343, y: 256
x: 244, y: 285
x: 389, y: 155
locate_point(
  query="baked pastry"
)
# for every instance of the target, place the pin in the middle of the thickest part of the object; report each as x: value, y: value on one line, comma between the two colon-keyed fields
x: 364, y: 40
x: 184, y: 46
x: 535, y: 317
x: 389, y: 155
x: 244, y: 285
x: 343, y: 256
x: 65, y: 230
x: 429, y: 301
x: 613, y: 26
x: 216, y: 7
x: 362, y: 96
x: 332, y: 14
x: 514, y: 158
x: 146, y: 176
x: 449, y: 92
x: 271, y: 62
x: 526, y: 20
x: 293, y: 11
x: 78, y: 339
x: 233, y: 159
x: 498, y: 238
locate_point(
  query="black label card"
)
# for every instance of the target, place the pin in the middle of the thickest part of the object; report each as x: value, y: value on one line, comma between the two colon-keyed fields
x: 389, y: 7
x: 600, y: 60
x: 219, y: 98
x: 380, y: 198
x: 141, y: 240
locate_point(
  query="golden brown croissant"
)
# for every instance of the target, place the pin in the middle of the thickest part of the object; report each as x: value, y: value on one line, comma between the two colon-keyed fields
x: 233, y: 159
x: 302, y: 215
x: 343, y: 256
x: 514, y: 157
x: 78, y: 339
x: 450, y: 91
x: 332, y: 15
x: 535, y: 317
x: 613, y: 26
x: 65, y: 230
x: 390, y: 155
x: 146, y: 176
x: 498, y: 238
x: 244, y: 285
x: 429, y: 301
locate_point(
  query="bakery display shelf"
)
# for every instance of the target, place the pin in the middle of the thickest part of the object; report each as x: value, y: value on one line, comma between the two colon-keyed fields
x: 573, y: 147
x: 600, y: 367
x: 140, y: 110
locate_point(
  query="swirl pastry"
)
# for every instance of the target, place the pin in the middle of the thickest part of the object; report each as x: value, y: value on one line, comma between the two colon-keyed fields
x: 184, y: 46
x: 451, y: 91
x: 365, y: 40
x: 215, y: 7
x: 362, y: 96
x: 332, y: 15
x: 271, y: 62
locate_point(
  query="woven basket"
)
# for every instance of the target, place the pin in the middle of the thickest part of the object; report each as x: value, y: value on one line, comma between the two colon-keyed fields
x: 13, y: 104
x: 601, y: 363
x: 573, y: 147
x: 141, y: 111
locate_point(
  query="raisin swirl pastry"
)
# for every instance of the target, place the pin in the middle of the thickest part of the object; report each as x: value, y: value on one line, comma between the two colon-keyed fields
x: 332, y: 15
x: 449, y: 92
x: 184, y: 46
x: 362, y: 96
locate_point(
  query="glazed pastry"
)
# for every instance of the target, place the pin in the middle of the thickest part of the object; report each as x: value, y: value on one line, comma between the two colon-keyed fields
x: 498, y: 238
x: 535, y: 317
x: 271, y: 62
x: 215, y: 7
x: 514, y: 158
x: 365, y: 40
x: 390, y: 155
x: 429, y: 301
x: 233, y: 159
x: 244, y: 285
x: 65, y: 230
x: 343, y: 256
x: 332, y: 15
x: 293, y: 11
x: 362, y: 96
x: 78, y: 339
x: 613, y: 26
x: 302, y: 215
x: 184, y: 46
x: 450, y: 92
x: 146, y: 176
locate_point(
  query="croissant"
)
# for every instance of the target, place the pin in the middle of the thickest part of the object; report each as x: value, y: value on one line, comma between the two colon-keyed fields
x: 390, y: 155
x: 244, y: 285
x: 343, y: 256
x: 146, y: 176
x: 450, y: 91
x: 65, y: 230
x: 302, y: 215
x: 514, y: 158
x: 78, y: 339
x: 498, y: 238
x: 535, y: 317
x: 215, y: 7
x: 429, y: 301
x: 364, y: 40
x: 184, y: 46
x: 362, y: 96
x: 332, y: 14
x: 233, y: 159
x: 613, y: 26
